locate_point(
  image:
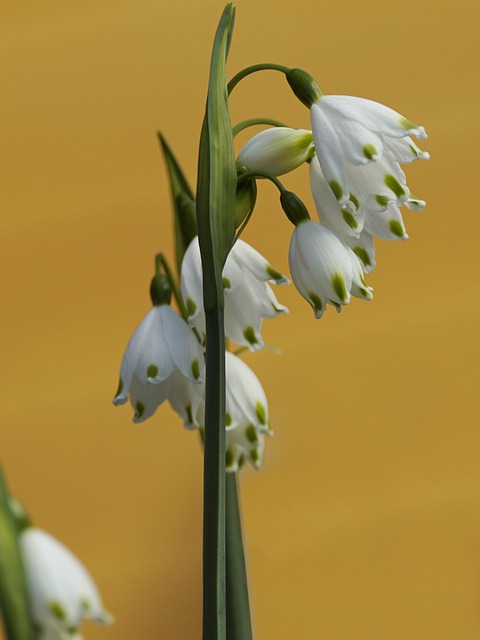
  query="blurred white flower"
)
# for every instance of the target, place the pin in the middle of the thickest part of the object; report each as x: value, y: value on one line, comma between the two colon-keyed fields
x: 276, y: 151
x: 61, y: 591
x: 350, y: 132
x: 248, y: 297
x: 161, y: 350
x: 323, y: 269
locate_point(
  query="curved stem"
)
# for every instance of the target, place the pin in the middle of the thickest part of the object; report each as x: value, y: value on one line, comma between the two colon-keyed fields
x: 239, y: 624
x: 253, y: 69
x: 252, y: 122
x: 261, y: 174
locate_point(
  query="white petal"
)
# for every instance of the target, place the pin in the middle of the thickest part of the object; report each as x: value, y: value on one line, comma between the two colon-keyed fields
x: 191, y: 280
x: 246, y: 399
x: 243, y: 321
x: 387, y: 224
x: 373, y: 115
x: 404, y: 150
x: 364, y: 248
x: 415, y: 204
x: 146, y: 397
x: 359, y: 144
x: 186, y: 399
x: 183, y: 347
x: 338, y: 220
x: 132, y: 355
x: 155, y: 363
x: 359, y: 289
x: 329, y: 152
x: 251, y: 259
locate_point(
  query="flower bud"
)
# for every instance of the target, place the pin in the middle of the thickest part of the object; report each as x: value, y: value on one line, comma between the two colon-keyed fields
x: 277, y: 150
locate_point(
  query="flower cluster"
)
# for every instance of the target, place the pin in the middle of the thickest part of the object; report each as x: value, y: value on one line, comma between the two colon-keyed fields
x: 164, y: 359
x: 355, y: 151
x: 358, y: 187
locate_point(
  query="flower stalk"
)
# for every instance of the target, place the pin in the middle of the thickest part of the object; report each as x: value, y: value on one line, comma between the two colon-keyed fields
x: 216, y: 190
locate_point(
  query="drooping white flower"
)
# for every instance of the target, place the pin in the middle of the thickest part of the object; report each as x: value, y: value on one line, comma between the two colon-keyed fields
x: 162, y: 348
x: 246, y: 418
x: 323, y: 269
x: 276, y: 151
x: 248, y: 297
x: 351, y: 131
x: 61, y: 591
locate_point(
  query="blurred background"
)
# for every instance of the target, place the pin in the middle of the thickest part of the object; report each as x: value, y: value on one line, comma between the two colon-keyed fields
x: 365, y: 522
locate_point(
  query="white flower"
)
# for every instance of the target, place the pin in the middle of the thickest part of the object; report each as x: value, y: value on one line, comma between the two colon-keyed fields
x: 61, y: 591
x: 162, y: 350
x: 247, y: 417
x: 276, y: 151
x: 349, y: 132
x: 248, y: 297
x: 323, y: 269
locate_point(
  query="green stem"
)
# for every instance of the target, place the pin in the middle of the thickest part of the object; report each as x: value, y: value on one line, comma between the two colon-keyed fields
x: 14, y: 604
x: 261, y: 174
x: 253, y: 69
x: 239, y: 624
x: 214, y: 612
x: 252, y: 122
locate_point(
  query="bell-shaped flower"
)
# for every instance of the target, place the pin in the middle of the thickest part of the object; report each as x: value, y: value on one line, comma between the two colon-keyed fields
x: 246, y: 417
x: 276, y: 151
x: 323, y: 269
x: 162, y: 348
x: 61, y: 591
x: 248, y: 297
x: 350, y: 132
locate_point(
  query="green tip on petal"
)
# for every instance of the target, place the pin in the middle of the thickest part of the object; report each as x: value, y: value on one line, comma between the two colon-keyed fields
x: 120, y: 388
x: 261, y: 413
x: 336, y: 187
x: 57, y: 610
x: 396, y: 228
x: 226, y: 283
x: 338, y: 285
x: 228, y: 419
x: 274, y: 274
x: 254, y: 457
x: 241, y: 461
x: 249, y: 335
x: 407, y: 124
x: 196, y: 369
x: 316, y: 303
x: 382, y: 200
x: 370, y: 152
x: 229, y: 459
x: 393, y: 184
x: 188, y: 411
x: 363, y: 255
x: 191, y: 307
x: 354, y: 201
x: 251, y: 434
x: 139, y: 410
x: 349, y: 219
x: 152, y: 371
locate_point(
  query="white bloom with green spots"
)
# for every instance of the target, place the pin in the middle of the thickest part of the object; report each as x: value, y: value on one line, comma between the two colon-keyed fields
x: 350, y: 131
x: 248, y: 296
x: 321, y: 267
x: 346, y: 222
x: 61, y: 591
x: 276, y: 151
x: 163, y: 346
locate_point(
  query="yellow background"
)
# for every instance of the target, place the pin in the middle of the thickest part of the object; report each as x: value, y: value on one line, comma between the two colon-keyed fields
x: 365, y: 522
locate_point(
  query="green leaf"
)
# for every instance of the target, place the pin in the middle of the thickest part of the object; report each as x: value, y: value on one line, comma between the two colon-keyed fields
x: 183, y: 203
x: 14, y: 604
x: 217, y: 177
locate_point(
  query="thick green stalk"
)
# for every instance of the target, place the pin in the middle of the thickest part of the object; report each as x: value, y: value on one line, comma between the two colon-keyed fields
x: 216, y: 194
x: 239, y: 624
x: 14, y: 604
